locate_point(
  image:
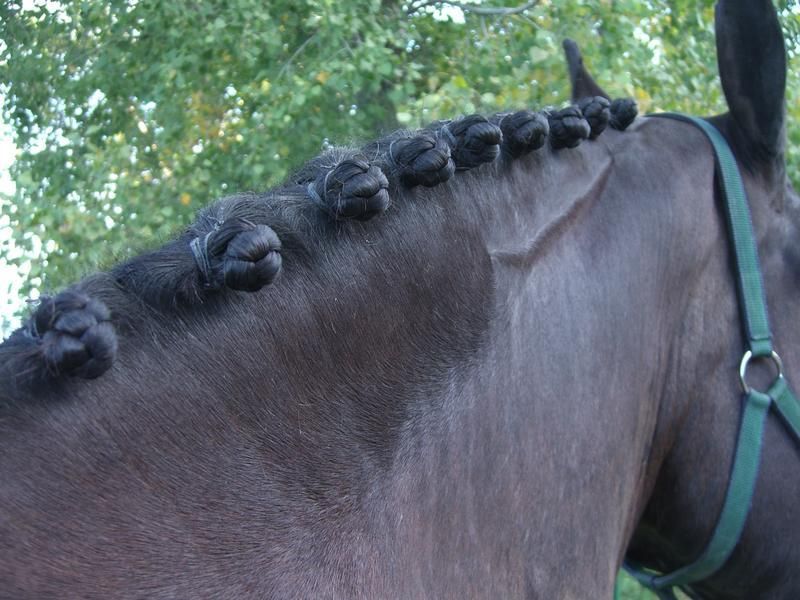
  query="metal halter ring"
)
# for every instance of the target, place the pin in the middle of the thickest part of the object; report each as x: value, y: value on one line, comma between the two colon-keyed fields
x: 776, y: 360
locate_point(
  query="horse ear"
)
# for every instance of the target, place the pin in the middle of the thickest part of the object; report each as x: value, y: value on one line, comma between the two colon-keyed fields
x: 752, y: 68
x: 583, y: 84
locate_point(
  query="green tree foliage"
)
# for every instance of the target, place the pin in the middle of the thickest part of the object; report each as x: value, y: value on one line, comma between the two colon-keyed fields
x: 130, y: 114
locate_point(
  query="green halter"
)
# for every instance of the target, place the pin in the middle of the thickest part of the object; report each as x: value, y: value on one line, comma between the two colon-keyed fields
x: 756, y: 404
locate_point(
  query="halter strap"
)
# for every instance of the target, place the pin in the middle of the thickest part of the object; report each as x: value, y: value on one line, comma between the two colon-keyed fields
x: 744, y: 473
x: 748, y: 271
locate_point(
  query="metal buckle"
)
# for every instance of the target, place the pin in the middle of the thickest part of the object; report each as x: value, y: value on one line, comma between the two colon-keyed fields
x: 776, y: 361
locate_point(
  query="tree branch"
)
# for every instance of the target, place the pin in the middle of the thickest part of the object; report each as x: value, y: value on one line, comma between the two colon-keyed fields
x: 287, y: 65
x: 499, y: 11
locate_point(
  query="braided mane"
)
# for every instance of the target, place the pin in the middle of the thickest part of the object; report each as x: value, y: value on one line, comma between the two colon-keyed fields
x: 235, y: 245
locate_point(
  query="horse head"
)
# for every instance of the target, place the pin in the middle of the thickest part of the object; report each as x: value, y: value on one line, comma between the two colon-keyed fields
x: 692, y: 456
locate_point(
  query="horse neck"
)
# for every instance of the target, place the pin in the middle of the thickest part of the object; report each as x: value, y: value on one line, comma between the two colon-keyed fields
x: 501, y: 399
x: 568, y: 384
x: 494, y: 375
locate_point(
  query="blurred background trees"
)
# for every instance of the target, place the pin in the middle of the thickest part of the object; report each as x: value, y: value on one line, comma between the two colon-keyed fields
x: 128, y: 115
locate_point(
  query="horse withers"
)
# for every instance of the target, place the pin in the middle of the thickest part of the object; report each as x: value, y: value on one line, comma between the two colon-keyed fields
x: 485, y: 359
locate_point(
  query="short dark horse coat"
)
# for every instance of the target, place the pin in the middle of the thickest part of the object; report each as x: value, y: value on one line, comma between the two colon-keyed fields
x: 480, y: 360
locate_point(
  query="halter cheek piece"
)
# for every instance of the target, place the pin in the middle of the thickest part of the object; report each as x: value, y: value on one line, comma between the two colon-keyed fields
x: 753, y: 309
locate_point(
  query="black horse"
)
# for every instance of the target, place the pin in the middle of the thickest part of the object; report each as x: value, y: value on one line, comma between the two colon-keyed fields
x: 522, y: 369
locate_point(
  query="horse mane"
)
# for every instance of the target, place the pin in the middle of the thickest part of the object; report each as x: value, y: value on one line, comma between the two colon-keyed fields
x: 238, y: 243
